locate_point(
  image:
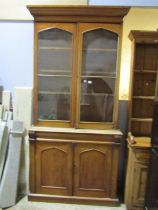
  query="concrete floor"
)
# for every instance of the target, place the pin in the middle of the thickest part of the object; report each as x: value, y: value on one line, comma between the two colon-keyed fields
x: 24, y: 204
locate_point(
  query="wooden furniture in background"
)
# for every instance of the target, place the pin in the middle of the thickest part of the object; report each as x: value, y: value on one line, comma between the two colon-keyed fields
x: 143, y: 84
x: 143, y: 81
x: 76, y: 81
x: 137, y: 169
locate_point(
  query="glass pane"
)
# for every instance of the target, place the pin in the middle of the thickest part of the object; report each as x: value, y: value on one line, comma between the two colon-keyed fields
x: 54, y: 51
x: 54, y: 61
x: 98, y: 75
x: 97, y: 99
x: 99, y: 52
x: 54, y: 84
x: 54, y: 74
x: 53, y: 106
x: 54, y: 38
x: 99, y: 63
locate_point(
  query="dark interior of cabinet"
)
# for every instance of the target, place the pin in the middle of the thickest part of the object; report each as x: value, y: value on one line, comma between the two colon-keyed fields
x: 144, y: 81
x: 142, y: 108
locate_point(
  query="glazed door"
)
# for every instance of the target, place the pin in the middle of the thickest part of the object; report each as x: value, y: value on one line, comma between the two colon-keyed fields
x: 53, y: 168
x: 92, y: 170
x: 54, y: 69
x: 98, y: 55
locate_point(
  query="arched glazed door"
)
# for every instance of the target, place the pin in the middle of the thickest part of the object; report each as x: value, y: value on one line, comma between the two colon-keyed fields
x: 54, y: 67
x: 98, y: 74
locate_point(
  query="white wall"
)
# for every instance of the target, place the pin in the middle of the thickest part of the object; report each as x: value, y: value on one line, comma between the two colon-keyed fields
x: 16, y: 9
x: 125, y: 2
x: 16, y: 54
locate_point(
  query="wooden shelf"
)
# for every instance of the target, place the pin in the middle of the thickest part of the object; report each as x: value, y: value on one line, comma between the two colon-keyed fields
x: 55, y: 48
x: 141, y: 107
x: 53, y: 71
x: 141, y: 119
x: 90, y: 76
x: 67, y: 93
x: 85, y: 104
x: 53, y: 75
x: 53, y: 93
x: 93, y: 65
x: 99, y: 50
x: 144, y: 97
x: 98, y: 94
x: 89, y: 73
x: 145, y: 71
x: 140, y: 142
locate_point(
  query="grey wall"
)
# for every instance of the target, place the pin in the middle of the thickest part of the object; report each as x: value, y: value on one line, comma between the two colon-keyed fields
x: 123, y: 126
x: 16, y: 54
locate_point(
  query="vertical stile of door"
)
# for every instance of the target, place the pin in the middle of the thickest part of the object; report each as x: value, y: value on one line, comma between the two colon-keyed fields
x: 79, y: 66
x: 132, y: 68
x: 117, y: 82
x: 156, y: 86
x: 74, y: 85
x: 35, y: 98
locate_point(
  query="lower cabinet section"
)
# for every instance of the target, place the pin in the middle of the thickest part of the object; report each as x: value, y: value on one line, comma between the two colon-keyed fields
x: 72, y: 168
x: 136, y: 179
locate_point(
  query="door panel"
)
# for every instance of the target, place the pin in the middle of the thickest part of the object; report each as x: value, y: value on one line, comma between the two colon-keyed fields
x: 54, y: 168
x: 92, y: 170
x: 151, y: 201
x: 139, y: 185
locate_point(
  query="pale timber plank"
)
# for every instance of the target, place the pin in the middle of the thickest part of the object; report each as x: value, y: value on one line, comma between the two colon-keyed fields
x: 4, y: 135
x: 9, y: 182
x: 6, y: 99
x: 23, y: 111
x: 1, y: 111
x: 23, y: 105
